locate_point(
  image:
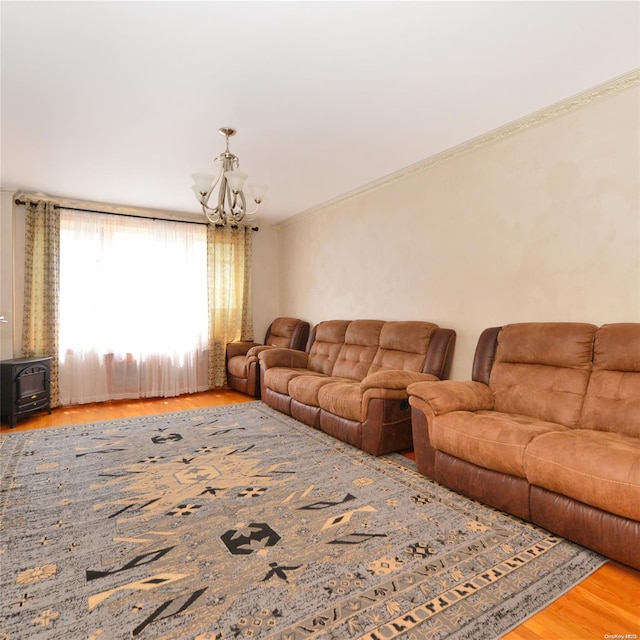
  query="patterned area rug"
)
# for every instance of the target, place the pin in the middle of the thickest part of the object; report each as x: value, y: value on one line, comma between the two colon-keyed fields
x: 239, y: 522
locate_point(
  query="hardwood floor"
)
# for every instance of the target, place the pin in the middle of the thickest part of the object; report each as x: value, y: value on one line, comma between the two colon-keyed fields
x: 605, y: 605
x: 96, y: 412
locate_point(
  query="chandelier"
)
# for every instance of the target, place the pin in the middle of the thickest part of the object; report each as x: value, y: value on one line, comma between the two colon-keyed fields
x: 231, y: 202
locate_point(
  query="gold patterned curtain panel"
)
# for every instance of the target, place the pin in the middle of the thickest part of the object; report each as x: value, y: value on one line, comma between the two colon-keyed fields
x: 42, y: 286
x: 229, y: 254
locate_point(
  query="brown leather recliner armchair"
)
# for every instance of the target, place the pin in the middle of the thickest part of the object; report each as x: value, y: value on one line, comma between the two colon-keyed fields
x: 243, y: 367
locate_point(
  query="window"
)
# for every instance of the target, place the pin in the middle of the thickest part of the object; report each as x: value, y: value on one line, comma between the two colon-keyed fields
x: 133, y: 307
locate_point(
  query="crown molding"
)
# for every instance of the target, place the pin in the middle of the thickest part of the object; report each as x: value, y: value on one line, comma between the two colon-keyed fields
x: 579, y: 101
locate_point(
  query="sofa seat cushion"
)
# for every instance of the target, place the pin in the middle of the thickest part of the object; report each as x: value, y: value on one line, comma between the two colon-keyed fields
x: 305, y: 388
x: 489, y: 439
x: 598, y: 468
x: 278, y: 378
x: 343, y: 399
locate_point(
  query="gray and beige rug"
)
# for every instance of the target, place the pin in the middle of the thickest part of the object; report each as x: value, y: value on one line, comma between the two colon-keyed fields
x: 238, y: 522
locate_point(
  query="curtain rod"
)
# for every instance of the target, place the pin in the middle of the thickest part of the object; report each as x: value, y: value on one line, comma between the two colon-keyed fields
x: 70, y: 207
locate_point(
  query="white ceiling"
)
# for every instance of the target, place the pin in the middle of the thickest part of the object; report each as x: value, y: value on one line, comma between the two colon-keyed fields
x: 120, y: 102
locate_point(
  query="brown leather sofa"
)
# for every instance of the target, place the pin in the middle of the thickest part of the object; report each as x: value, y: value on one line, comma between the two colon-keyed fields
x: 352, y: 382
x: 243, y: 367
x: 547, y: 430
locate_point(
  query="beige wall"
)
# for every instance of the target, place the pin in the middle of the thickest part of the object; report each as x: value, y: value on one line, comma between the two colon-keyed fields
x: 266, y: 300
x: 542, y: 224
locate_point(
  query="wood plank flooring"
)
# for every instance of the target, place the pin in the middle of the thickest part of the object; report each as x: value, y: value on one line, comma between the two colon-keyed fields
x: 606, y: 605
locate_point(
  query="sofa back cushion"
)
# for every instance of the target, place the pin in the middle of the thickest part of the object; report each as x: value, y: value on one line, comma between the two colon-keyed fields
x: 542, y: 370
x: 360, y: 346
x: 613, y: 396
x: 288, y: 333
x: 403, y: 346
x: 329, y: 338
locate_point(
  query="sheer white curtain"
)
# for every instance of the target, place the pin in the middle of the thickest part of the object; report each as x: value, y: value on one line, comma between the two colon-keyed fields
x: 133, y: 307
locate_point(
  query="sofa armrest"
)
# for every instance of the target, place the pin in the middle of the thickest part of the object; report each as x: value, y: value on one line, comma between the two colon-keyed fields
x: 278, y: 357
x: 452, y: 395
x: 396, y: 379
x: 255, y: 351
x: 239, y: 348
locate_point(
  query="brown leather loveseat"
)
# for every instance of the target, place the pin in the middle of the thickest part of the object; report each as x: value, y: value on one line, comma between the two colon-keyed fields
x: 243, y: 372
x: 352, y: 382
x: 547, y: 430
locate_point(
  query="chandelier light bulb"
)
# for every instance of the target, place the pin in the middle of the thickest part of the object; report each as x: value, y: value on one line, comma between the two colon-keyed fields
x: 235, y: 179
x: 258, y: 191
x: 202, y: 182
